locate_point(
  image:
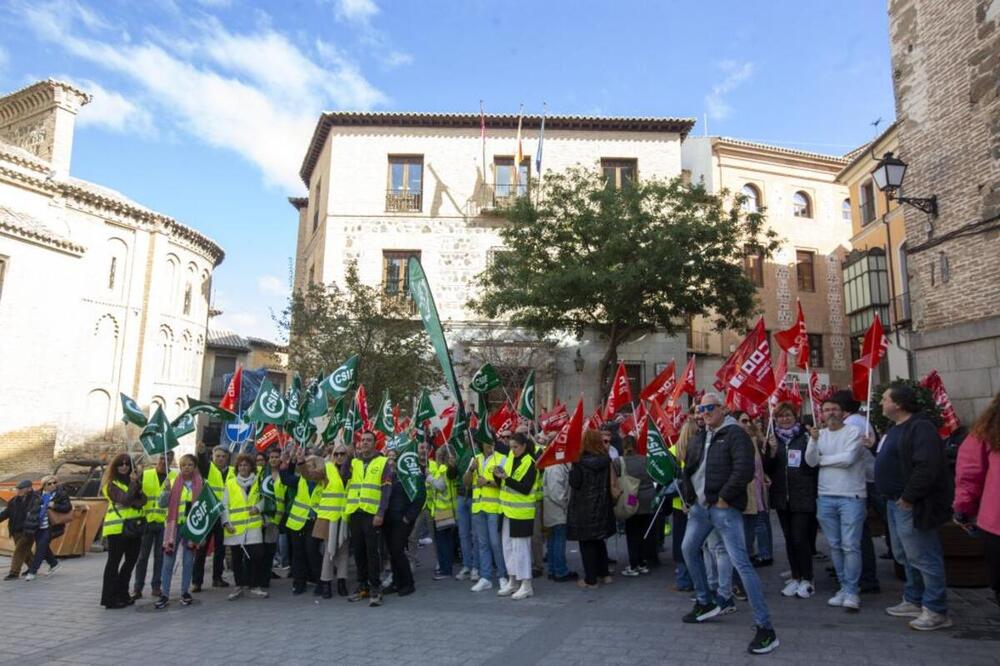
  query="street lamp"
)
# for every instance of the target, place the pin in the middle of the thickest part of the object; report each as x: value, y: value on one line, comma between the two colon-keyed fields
x: 888, y: 176
x: 578, y: 361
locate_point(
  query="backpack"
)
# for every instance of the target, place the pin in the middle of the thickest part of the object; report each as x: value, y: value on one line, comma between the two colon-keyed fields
x: 628, y: 501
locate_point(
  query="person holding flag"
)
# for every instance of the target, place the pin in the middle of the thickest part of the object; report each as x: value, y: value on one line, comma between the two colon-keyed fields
x: 175, y: 500
x: 215, y: 470
x: 516, y: 479
x: 154, y: 480
x: 244, y: 528
x: 486, y: 516
x: 273, y: 491
x: 121, y: 486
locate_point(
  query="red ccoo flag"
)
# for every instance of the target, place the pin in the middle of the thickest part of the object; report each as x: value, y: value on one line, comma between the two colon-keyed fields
x: 504, y: 419
x: 621, y: 392
x: 795, y: 340
x: 752, y: 376
x: 565, y: 448
x: 873, y: 348
x: 665, y: 422
x: 231, y: 399
x: 949, y: 419
x: 686, y: 384
x: 596, y: 420
x: 662, y: 385
x: 361, y: 399
x: 554, y: 420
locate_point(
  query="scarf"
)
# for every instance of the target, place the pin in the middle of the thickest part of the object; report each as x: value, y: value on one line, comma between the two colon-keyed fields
x: 173, y: 508
x: 786, y: 435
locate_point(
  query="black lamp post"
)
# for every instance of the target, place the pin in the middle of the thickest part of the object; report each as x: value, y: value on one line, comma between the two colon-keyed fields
x: 888, y: 176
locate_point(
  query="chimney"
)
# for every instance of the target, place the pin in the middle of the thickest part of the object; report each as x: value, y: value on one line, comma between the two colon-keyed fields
x: 40, y: 119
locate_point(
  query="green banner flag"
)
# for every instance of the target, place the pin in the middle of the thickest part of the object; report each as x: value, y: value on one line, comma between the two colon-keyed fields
x: 483, y: 434
x: 183, y: 424
x: 316, y: 403
x: 460, y: 442
x: 158, y: 436
x: 352, y: 422
x: 342, y: 379
x: 385, y: 422
x: 408, y: 469
x: 336, y: 422
x: 131, y: 412
x: 201, y: 517
x: 198, y: 407
x: 486, y: 379
x: 293, y: 401
x: 421, y: 292
x: 303, y: 431
x: 526, y: 401
x: 425, y: 410
x: 660, y: 463
x: 268, y: 406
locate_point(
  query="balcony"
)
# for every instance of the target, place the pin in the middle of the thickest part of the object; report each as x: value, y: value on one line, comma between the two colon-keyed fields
x: 402, y: 297
x: 501, y: 196
x: 403, y: 201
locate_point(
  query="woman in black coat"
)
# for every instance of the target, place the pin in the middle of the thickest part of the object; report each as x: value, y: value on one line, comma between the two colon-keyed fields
x: 793, y: 495
x: 590, y: 518
x: 36, y: 522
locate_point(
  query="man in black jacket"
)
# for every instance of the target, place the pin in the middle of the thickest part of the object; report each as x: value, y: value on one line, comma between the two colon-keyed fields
x: 912, y: 473
x: 719, y: 464
x: 400, y: 517
x: 15, y: 513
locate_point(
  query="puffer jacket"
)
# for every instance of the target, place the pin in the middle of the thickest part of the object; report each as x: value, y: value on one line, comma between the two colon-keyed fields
x: 59, y: 504
x: 730, y: 466
x: 792, y: 488
x: 590, y: 516
x: 977, y: 483
x: 930, y: 487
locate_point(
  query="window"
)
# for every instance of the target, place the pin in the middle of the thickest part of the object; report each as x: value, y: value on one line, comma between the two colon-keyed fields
x: 753, y: 266
x: 406, y: 182
x: 509, y: 183
x: 319, y: 186
x: 845, y: 210
x: 187, y: 299
x: 801, y: 205
x: 618, y: 173
x: 752, y: 202
x: 815, y: 350
x: 3, y: 272
x: 804, y: 261
x: 111, y: 272
x: 867, y: 202
x: 395, y: 277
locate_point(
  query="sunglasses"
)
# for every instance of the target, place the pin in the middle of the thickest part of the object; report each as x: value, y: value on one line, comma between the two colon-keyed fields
x: 706, y: 408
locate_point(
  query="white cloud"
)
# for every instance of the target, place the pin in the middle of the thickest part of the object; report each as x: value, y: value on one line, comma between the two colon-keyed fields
x: 257, y: 94
x: 272, y: 285
x: 3, y: 59
x: 112, y: 111
x: 397, y: 59
x: 355, y: 11
x: 735, y: 74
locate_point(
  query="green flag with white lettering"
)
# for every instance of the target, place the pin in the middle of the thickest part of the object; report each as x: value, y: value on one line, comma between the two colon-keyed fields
x: 342, y: 379
x: 158, y: 436
x: 183, y: 424
x: 425, y: 410
x: 336, y: 422
x: 526, y: 401
x: 268, y: 406
x: 293, y: 402
x: 408, y: 469
x: 198, y: 407
x: 486, y: 379
x: 201, y: 517
x: 131, y: 412
x: 385, y: 422
x: 483, y: 434
x: 660, y: 463
x: 317, y: 404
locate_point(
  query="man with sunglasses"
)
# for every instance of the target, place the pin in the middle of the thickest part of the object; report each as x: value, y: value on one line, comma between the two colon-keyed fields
x: 719, y: 463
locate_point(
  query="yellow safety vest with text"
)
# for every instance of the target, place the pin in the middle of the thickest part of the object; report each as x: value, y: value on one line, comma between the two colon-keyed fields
x: 239, y: 506
x: 515, y: 505
x: 333, y: 499
x: 303, y: 504
x: 216, y: 480
x: 485, y: 499
x: 365, y: 489
x: 152, y: 488
x: 443, y: 505
x: 117, y: 514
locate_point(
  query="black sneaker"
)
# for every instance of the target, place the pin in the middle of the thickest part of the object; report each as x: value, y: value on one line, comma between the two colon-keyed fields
x: 12, y: 576
x: 375, y: 599
x: 221, y: 582
x: 739, y: 593
x: 186, y: 599
x: 759, y: 562
x: 196, y: 588
x: 341, y: 587
x: 318, y: 590
x: 406, y: 591
x: 298, y: 589
x: 763, y: 642
x: 161, y: 603
x: 390, y: 589
x: 360, y: 595
x: 700, y: 613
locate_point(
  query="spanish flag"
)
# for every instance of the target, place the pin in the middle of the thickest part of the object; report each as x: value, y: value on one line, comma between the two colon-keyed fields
x: 518, y: 151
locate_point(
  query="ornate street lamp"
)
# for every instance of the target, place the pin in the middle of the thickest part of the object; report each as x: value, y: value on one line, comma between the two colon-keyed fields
x: 888, y: 176
x: 578, y: 361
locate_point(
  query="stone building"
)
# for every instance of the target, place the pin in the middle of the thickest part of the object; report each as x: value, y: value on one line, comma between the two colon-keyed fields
x: 98, y: 294
x: 387, y: 186
x: 810, y: 212
x: 946, y: 68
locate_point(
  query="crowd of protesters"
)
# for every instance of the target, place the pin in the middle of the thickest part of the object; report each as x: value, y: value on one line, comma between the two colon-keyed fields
x: 499, y: 522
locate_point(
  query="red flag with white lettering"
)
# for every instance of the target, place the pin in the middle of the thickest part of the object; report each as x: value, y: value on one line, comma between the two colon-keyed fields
x: 662, y: 385
x: 816, y: 396
x: 686, y: 383
x: 753, y: 375
x: 795, y: 340
x: 565, y: 448
x: 504, y: 419
x: 231, y: 399
x: 949, y: 419
x: 664, y: 420
x: 620, y: 394
x: 873, y: 348
x: 554, y: 420
x: 596, y: 420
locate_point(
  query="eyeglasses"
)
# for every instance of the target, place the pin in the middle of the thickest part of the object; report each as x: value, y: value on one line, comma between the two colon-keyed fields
x: 706, y: 408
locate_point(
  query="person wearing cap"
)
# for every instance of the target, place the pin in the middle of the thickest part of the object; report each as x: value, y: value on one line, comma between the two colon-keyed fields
x: 15, y: 512
x: 52, y: 498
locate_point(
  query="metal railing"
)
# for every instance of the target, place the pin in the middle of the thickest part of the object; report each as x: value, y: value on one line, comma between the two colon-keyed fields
x: 402, y: 201
x: 397, y: 295
x: 505, y: 194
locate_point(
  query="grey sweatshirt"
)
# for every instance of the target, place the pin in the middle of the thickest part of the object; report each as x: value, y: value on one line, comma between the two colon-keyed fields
x: 840, y: 456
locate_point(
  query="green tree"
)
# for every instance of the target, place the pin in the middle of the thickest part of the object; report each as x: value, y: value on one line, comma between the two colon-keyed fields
x: 326, y: 324
x: 925, y: 399
x: 624, y: 262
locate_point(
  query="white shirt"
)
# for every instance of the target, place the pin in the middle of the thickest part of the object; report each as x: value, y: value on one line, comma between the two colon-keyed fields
x: 862, y: 425
x: 839, y: 456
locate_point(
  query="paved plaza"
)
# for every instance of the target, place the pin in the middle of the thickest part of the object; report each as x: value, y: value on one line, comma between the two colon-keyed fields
x: 57, y: 620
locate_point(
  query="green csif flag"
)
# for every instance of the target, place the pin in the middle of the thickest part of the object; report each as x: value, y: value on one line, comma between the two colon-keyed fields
x: 293, y: 402
x: 660, y: 463
x: 486, y: 379
x: 158, y: 436
x: 385, y: 421
x: 201, y: 517
x: 268, y: 406
x: 352, y: 422
x: 425, y: 410
x: 336, y: 422
x: 131, y: 412
x: 483, y: 434
x: 460, y: 442
x: 183, y: 424
x: 198, y: 407
x: 342, y: 379
x: 526, y: 401
x: 408, y: 469
x: 316, y: 402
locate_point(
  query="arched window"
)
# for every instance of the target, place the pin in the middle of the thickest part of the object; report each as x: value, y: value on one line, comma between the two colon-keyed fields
x: 801, y: 205
x: 845, y: 210
x: 170, y: 283
x: 166, y: 350
x: 190, y: 278
x: 96, y: 418
x: 104, y: 349
x: 196, y: 359
x: 752, y: 202
x: 116, y: 254
x: 185, y: 361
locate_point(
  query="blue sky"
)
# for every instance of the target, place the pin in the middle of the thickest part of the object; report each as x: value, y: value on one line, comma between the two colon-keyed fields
x: 203, y: 108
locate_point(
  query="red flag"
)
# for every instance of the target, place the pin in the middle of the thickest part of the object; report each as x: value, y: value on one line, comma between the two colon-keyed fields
x: 780, y: 373
x: 504, y: 418
x: 402, y: 425
x: 554, y: 420
x: 565, y: 448
x: 269, y: 436
x: 632, y: 422
x: 873, y: 348
x: 361, y: 400
x: 949, y: 418
x: 736, y: 401
x: 231, y: 399
x: 686, y: 384
x: 620, y: 394
x: 379, y: 440
x: 395, y: 419
x: 662, y: 385
x: 752, y: 374
x: 795, y: 340
x: 640, y: 441
x: 448, y: 412
x: 596, y: 420
x: 664, y: 420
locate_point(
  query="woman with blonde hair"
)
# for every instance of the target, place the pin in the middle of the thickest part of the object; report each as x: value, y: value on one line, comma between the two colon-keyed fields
x: 123, y: 524
x: 177, y: 496
x: 46, y: 526
x: 678, y: 515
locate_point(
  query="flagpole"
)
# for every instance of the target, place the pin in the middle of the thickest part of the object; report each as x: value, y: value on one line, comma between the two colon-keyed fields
x: 482, y: 119
x: 812, y: 403
x: 868, y: 403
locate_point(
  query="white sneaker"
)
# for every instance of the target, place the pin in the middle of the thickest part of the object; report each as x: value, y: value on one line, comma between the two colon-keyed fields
x: 236, y: 594
x: 259, y: 593
x: 525, y: 591
x: 426, y: 541
x: 790, y: 588
x: 629, y: 571
x: 904, y: 609
x: 29, y: 576
x: 503, y: 582
x: 786, y: 574
x: 474, y: 576
x: 929, y: 621
x: 482, y: 585
x: 837, y: 599
x: 463, y: 574
x: 52, y: 569
x: 507, y: 587
x: 852, y: 602
x: 805, y: 590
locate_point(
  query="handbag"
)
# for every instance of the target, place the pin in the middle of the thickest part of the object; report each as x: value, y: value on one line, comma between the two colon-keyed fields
x: 131, y: 527
x: 56, y: 518
x: 628, y: 501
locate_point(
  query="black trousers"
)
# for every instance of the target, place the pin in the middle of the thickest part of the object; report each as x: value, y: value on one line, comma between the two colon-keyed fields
x: 594, y: 554
x: 797, y: 528
x: 249, y: 565
x: 218, y: 558
x: 396, y: 534
x: 638, y: 550
x: 306, y: 558
x: 123, y: 552
x: 366, y: 545
x: 991, y: 542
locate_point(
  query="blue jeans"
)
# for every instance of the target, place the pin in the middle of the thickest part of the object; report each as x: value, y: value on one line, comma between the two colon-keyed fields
x: 682, y: 579
x: 187, y: 567
x: 152, y: 542
x: 487, y: 527
x: 729, y: 524
x: 718, y: 567
x: 284, y: 559
x: 463, y: 516
x: 919, y: 551
x: 42, y: 551
x: 763, y: 535
x: 556, y: 548
x: 842, y: 520
x: 444, y: 543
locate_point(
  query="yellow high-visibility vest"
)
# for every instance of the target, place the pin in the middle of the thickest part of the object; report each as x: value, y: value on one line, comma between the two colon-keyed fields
x: 152, y: 488
x: 365, y: 489
x: 333, y: 499
x: 515, y: 505
x: 303, y: 504
x: 117, y: 514
x: 487, y: 498
x: 443, y: 505
x: 215, y: 479
x: 239, y: 506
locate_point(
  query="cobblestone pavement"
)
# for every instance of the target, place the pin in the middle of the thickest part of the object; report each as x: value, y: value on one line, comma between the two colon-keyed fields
x: 57, y: 620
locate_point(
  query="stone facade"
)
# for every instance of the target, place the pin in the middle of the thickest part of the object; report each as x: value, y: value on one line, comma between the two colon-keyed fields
x: 775, y: 176
x: 99, y: 295
x: 946, y: 65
